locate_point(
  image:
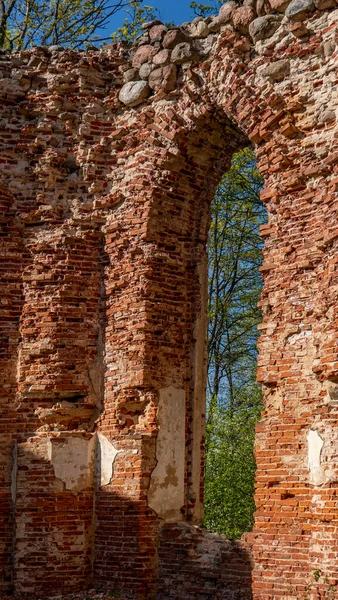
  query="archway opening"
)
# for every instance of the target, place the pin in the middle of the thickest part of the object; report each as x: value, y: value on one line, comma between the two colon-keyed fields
x: 234, y: 398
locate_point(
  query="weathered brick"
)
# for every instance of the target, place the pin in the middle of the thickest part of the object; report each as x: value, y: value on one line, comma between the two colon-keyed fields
x: 104, y: 219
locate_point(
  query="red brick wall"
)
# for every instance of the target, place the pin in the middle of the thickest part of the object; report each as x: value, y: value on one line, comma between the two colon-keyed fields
x: 11, y: 304
x: 106, y: 213
x: 194, y: 563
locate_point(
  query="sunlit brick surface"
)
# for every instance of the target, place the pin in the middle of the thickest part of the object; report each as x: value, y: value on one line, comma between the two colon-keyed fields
x: 105, y: 195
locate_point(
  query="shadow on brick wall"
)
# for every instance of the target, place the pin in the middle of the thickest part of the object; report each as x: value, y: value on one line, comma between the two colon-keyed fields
x: 195, y: 564
x: 125, y: 560
x: 134, y: 555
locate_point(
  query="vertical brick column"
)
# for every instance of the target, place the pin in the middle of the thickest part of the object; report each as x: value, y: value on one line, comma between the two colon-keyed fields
x: 10, y: 310
x: 297, y: 438
x: 54, y: 513
x: 58, y: 388
x: 126, y: 528
x: 155, y: 364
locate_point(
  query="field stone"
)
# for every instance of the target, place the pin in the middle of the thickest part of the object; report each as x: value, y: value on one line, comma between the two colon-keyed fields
x: 326, y: 115
x: 155, y: 79
x: 149, y: 24
x: 141, y: 39
x: 35, y: 61
x: 143, y: 54
x: 264, y: 7
x: 328, y: 48
x: 279, y: 5
x: 226, y: 12
x: 182, y: 53
x: 134, y: 92
x: 145, y: 70
x: 157, y: 32
x: 261, y: 8
x: 324, y: 4
x: 199, y: 30
x: 275, y: 71
x: 205, y: 45
x: 162, y: 57
x: 174, y: 37
x: 264, y: 27
x: 299, y: 9
x: 55, y: 48
x: 130, y: 75
x: 163, y: 78
x: 299, y: 29
x: 242, y: 17
x: 215, y: 24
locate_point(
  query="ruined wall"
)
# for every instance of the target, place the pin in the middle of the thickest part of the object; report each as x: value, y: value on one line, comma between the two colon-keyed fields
x: 108, y: 163
x: 194, y: 563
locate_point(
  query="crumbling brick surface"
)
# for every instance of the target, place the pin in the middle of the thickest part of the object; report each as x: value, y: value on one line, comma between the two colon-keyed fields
x: 194, y: 563
x: 108, y: 162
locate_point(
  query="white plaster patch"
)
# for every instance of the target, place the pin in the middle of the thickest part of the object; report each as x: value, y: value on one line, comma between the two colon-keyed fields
x: 73, y: 461
x: 318, y: 501
x: 317, y: 472
x: 299, y: 337
x: 166, y: 490
x: 105, y: 457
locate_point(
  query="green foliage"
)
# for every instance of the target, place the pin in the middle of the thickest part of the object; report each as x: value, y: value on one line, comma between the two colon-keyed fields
x: 234, y: 252
x: 204, y: 10
x: 234, y: 396
x: 136, y: 15
x: 230, y: 468
x: 328, y: 590
x: 73, y: 23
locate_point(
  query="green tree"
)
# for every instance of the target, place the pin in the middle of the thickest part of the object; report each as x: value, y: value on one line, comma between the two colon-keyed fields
x: 136, y: 16
x: 203, y: 10
x: 73, y: 23
x: 234, y: 397
x: 229, y: 496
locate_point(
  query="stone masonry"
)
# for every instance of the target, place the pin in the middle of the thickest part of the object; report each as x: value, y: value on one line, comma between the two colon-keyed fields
x: 108, y: 162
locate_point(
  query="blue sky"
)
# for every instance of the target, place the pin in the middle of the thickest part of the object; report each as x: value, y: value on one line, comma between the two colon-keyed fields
x: 173, y: 10
x: 170, y: 10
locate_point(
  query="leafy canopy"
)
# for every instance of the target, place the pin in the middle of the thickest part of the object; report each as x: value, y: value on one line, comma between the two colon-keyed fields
x: 230, y: 468
x: 204, y: 10
x: 136, y: 15
x: 73, y: 23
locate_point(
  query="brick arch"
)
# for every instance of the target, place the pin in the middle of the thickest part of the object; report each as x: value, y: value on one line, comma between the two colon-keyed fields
x: 132, y: 164
x: 155, y: 405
